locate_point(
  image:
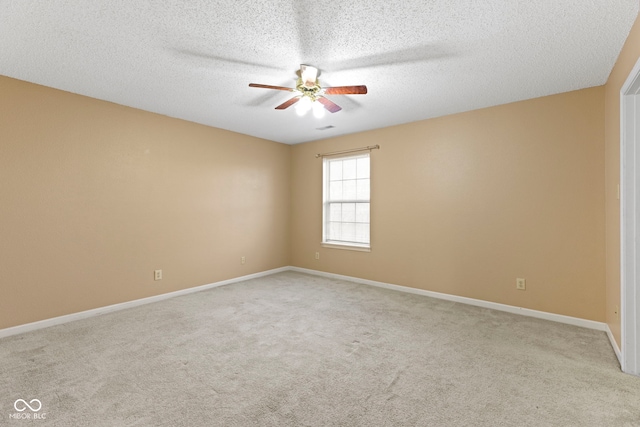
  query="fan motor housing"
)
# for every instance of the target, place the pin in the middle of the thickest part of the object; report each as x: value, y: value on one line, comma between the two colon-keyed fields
x: 308, y: 91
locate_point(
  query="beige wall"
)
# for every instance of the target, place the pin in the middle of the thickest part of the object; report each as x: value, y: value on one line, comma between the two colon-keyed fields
x: 95, y: 196
x: 467, y: 203
x: 627, y: 59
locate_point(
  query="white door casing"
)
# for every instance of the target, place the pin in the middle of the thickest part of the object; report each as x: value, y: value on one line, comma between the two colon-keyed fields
x: 630, y: 221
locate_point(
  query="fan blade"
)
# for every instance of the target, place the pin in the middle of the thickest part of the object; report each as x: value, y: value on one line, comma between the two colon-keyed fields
x: 308, y: 74
x: 329, y: 105
x: 271, y: 87
x: 346, y: 90
x: 288, y: 103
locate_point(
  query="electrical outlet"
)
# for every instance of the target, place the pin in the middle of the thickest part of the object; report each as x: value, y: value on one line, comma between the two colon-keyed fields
x: 157, y: 275
x: 243, y: 260
x: 317, y: 255
x: 521, y: 284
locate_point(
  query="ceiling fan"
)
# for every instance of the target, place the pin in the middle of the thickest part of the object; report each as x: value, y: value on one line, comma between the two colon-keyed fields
x: 309, y: 91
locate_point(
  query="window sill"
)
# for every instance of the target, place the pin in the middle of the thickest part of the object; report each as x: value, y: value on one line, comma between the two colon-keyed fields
x: 358, y: 248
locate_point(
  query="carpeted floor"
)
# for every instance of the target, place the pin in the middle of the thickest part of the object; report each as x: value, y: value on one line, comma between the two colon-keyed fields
x: 298, y: 350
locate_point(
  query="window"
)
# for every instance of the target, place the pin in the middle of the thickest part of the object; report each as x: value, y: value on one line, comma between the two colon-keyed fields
x: 346, y: 201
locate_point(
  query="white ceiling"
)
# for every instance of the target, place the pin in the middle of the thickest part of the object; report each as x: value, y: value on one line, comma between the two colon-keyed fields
x: 419, y: 58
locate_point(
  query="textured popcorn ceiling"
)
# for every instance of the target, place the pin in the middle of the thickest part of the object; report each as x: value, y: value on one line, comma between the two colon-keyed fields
x: 419, y: 58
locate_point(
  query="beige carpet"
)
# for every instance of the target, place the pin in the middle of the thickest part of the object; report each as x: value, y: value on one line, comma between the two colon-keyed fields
x: 298, y: 350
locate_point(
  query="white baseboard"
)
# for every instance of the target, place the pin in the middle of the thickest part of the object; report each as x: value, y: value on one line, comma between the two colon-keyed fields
x: 128, y: 304
x: 614, y: 344
x: 470, y: 301
x: 590, y: 324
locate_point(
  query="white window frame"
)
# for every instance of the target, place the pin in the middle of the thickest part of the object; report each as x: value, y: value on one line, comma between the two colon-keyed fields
x: 342, y: 244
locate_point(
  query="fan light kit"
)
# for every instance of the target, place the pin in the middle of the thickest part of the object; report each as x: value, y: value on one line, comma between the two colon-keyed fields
x: 310, y: 91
